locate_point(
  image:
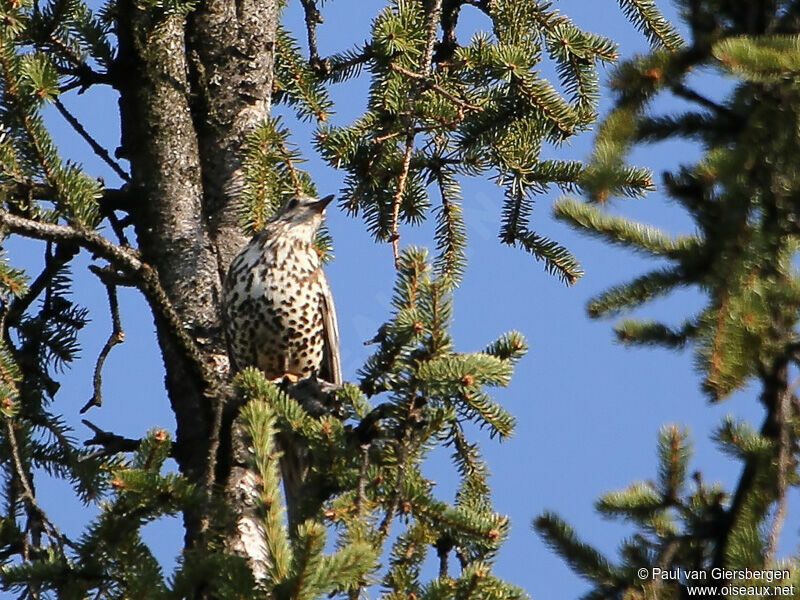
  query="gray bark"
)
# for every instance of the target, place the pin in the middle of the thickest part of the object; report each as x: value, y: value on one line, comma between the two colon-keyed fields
x: 231, y: 54
x: 159, y: 140
x: 191, y: 89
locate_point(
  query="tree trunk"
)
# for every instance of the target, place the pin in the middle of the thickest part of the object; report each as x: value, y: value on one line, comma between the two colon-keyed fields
x: 191, y: 89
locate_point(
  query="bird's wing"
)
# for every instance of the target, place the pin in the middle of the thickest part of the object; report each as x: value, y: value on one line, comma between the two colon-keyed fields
x: 331, y: 368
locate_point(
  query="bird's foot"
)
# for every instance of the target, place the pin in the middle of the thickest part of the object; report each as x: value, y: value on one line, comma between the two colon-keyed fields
x: 291, y: 377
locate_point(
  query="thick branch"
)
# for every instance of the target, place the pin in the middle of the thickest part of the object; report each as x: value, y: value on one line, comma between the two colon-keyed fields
x: 775, y: 391
x: 173, y: 233
x: 783, y: 466
x: 110, y: 199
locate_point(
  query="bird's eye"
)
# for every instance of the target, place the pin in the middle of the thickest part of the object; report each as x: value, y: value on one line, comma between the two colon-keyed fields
x: 293, y: 203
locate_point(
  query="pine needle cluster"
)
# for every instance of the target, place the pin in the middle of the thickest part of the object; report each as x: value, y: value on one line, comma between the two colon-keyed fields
x: 440, y: 110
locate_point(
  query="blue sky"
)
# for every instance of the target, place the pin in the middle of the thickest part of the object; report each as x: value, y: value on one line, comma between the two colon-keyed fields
x: 588, y: 409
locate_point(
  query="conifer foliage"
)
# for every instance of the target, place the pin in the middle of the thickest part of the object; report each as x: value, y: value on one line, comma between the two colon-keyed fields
x: 742, y: 197
x: 207, y: 166
x: 439, y: 110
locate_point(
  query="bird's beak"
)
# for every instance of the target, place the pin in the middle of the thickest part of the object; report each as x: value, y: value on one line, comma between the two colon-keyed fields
x: 322, y: 203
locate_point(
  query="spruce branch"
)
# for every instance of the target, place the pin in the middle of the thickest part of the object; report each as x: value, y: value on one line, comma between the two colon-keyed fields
x: 427, y: 83
x: 617, y: 230
x: 544, y: 97
x: 260, y: 423
x: 647, y: 17
x: 765, y: 58
x: 37, y: 138
x: 432, y: 16
x: 80, y: 67
x: 450, y: 230
x: 739, y: 259
x: 296, y: 82
x: 127, y: 261
x: 339, y: 67
x: 582, y: 557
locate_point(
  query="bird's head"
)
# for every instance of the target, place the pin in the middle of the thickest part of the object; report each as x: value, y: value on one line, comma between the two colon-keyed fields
x: 301, y: 215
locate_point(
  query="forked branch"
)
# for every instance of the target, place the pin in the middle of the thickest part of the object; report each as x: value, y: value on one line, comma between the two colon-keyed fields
x: 127, y: 261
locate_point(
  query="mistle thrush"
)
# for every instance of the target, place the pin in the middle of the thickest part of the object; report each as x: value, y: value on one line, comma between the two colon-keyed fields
x: 278, y: 308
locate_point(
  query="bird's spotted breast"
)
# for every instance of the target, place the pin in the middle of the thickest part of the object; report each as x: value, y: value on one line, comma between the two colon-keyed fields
x: 273, y: 307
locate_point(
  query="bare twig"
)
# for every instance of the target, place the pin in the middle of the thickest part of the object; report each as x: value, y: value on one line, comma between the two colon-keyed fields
x: 118, y: 226
x: 443, y: 546
x: 95, y: 145
x: 110, y: 276
x: 110, y: 199
x: 286, y: 155
x: 394, y: 504
x: 394, y: 238
x: 449, y: 21
x: 35, y: 511
x: 313, y: 18
x: 383, y: 530
x: 482, y: 5
x: 117, y: 336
